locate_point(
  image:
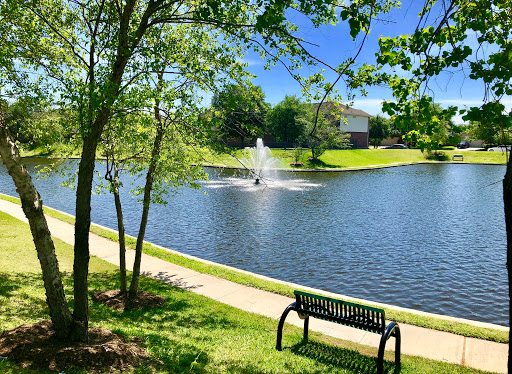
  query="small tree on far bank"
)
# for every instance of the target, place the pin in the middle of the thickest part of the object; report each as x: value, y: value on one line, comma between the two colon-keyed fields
x: 324, y: 135
x: 489, y: 132
x: 379, y: 130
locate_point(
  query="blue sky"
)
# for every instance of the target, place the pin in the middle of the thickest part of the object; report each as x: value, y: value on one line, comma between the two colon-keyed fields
x: 335, y: 45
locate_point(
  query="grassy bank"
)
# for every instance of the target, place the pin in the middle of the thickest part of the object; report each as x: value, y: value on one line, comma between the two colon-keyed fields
x: 282, y: 289
x: 332, y: 159
x: 363, y: 158
x: 190, y: 333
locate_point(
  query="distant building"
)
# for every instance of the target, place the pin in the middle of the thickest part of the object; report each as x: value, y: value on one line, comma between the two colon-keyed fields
x: 356, y: 123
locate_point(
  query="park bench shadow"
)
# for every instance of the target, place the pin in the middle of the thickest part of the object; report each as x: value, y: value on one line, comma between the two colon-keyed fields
x: 342, y: 358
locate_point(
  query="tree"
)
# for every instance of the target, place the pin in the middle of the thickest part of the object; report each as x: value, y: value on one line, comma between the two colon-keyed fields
x: 172, y: 162
x: 322, y: 135
x: 430, y: 131
x: 379, y: 130
x: 241, y: 110
x: 106, y: 47
x: 445, y: 46
x: 489, y: 132
x: 13, y: 81
x: 121, y: 139
x: 282, y: 120
x: 33, y: 209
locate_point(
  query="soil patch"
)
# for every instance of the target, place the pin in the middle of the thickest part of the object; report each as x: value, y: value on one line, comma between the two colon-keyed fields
x: 118, y: 301
x: 35, y: 346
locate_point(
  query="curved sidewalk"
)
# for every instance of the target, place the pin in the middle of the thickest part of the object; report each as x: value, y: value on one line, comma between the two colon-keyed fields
x: 416, y: 341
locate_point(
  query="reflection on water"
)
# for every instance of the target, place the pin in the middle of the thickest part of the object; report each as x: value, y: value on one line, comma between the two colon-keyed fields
x: 428, y: 237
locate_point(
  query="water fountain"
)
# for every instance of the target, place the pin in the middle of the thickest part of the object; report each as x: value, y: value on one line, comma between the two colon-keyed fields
x: 259, y: 161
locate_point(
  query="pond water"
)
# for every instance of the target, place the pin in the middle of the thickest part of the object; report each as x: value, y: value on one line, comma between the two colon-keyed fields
x: 427, y: 237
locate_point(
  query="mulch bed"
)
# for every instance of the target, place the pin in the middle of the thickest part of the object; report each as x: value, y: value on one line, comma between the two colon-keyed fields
x: 118, y: 301
x: 35, y: 346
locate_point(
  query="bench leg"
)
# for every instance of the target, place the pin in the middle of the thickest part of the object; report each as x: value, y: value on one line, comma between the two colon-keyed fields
x: 398, y: 345
x: 306, y: 328
x: 281, y: 324
x: 394, y: 330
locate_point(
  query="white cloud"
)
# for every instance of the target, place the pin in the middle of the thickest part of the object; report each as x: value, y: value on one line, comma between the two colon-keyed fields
x: 472, y: 102
x: 253, y: 61
x: 370, y: 106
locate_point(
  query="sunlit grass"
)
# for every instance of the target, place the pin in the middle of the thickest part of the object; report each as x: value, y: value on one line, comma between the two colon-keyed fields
x: 189, y: 333
x: 363, y: 158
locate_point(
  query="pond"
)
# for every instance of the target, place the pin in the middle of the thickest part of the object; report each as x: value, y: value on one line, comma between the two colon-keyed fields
x: 429, y: 237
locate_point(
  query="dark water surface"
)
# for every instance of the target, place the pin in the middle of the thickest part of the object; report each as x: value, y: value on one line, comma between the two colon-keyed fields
x: 427, y: 237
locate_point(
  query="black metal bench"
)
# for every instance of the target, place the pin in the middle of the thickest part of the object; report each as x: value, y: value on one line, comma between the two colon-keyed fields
x: 458, y: 157
x: 345, y: 313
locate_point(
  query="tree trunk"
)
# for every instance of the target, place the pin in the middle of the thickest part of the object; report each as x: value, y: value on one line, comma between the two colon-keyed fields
x: 507, y: 201
x: 120, y: 228
x: 145, y: 212
x: 134, y: 285
x: 82, y: 226
x: 33, y: 208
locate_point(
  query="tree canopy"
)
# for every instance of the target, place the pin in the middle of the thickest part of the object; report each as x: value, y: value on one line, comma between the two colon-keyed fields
x: 240, y: 110
x: 282, y: 120
x: 451, y: 36
x: 379, y: 129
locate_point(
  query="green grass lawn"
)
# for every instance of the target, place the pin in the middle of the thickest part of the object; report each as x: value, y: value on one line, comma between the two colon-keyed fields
x: 190, y: 333
x: 362, y: 158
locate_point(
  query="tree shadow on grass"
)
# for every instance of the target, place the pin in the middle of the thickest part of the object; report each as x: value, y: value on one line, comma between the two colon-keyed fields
x: 6, y: 285
x: 343, y: 358
x: 174, y: 356
x: 176, y: 311
x: 22, y: 305
x: 205, y: 321
x: 167, y: 311
x: 319, y: 164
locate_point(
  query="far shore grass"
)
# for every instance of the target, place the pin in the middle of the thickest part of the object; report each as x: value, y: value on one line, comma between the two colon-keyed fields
x: 362, y: 158
x: 334, y: 160
x: 190, y: 333
x: 279, y: 288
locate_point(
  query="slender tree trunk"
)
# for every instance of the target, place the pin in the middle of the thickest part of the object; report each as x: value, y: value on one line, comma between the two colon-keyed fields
x: 82, y: 226
x: 134, y: 285
x: 145, y: 212
x: 120, y: 228
x: 507, y: 200
x: 33, y: 208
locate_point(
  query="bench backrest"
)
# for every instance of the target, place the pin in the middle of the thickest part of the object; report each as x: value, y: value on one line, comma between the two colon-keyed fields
x: 346, y: 313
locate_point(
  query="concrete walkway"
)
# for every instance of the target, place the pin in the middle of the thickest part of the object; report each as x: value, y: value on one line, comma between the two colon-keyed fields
x: 416, y: 341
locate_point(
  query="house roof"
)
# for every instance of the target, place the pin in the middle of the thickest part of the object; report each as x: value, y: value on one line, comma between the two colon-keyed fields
x: 328, y: 106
